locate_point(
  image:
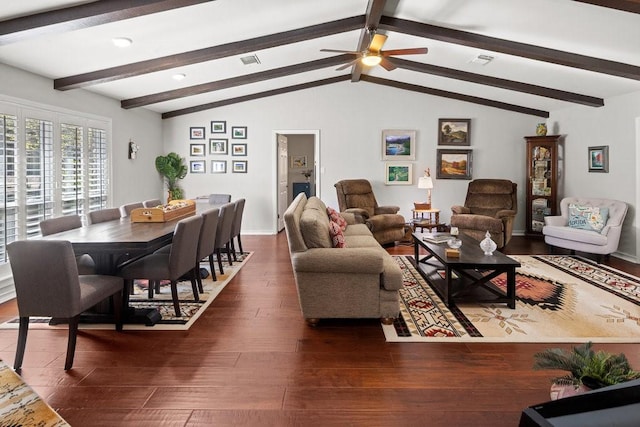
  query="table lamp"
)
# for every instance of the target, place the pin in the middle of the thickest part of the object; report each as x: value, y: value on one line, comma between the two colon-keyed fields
x: 425, y: 182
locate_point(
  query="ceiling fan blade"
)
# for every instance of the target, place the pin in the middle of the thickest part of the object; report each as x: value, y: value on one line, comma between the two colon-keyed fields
x: 377, y: 42
x: 347, y: 65
x: 387, y: 65
x: 340, y: 51
x: 410, y: 51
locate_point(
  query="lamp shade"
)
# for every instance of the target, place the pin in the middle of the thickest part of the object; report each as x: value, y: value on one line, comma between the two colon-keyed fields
x: 425, y: 182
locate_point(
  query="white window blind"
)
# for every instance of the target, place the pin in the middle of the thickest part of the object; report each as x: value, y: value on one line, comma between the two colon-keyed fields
x: 9, y: 190
x: 39, y: 174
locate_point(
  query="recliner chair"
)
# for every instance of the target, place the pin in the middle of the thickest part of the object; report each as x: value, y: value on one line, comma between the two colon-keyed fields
x: 356, y: 196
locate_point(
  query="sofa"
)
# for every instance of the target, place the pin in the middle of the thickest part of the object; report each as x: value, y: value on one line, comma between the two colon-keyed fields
x: 358, y: 280
x: 584, y: 226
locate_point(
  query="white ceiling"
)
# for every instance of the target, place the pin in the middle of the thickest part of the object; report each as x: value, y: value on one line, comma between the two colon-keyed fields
x: 563, y: 25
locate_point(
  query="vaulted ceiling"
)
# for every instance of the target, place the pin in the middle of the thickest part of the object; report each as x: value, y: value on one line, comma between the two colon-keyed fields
x: 546, y: 54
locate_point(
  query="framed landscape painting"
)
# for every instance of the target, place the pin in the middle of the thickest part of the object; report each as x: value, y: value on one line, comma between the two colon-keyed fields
x: 599, y: 159
x: 398, y: 173
x: 398, y: 144
x: 454, y: 131
x: 454, y: 164
x: 196, y: 133
x: 218, y: 126
x: 197, y: 166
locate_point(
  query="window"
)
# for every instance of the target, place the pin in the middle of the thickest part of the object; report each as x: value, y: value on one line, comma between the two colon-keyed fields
x: 50, y: 165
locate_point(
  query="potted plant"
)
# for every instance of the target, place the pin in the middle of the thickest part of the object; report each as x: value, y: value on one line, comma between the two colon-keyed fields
x: 173, y: 169
x: 587, y: 369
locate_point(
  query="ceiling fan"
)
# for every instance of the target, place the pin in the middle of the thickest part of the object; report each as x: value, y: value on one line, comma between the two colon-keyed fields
x: 374, y: 54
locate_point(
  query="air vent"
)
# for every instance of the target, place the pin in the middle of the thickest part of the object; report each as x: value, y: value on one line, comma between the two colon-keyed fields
x: 482, y: 59
x: 251, y: 59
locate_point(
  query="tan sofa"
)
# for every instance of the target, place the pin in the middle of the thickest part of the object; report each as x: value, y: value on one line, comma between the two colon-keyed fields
x: 360, y: 280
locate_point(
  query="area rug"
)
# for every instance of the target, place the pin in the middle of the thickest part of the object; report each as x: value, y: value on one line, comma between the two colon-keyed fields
x: 558, y: 299
x: 190, y: 309
x: 21, y: 406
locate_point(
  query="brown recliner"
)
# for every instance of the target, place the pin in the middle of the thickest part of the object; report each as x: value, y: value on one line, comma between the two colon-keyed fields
x: 356, y: 196
x: 490, y: 205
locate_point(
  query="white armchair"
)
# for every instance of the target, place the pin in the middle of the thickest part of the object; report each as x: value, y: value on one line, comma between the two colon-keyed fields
x: 557, y: 231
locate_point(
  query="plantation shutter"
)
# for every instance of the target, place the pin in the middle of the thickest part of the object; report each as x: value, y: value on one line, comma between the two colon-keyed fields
x: 98, y: 169
x: 9, y: 189
x: 39, y: 201
x: 72, y: 169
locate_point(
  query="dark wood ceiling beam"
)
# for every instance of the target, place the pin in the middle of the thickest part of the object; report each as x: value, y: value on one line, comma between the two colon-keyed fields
x: 83, y: 16
x: 209, y: 53
x: 211, y: 105
x: 632, y: 6
x: 538, y: 53
x: 235, y: 81
x: 500, y: 83
x: 457, y: 96
x: 372, y: 19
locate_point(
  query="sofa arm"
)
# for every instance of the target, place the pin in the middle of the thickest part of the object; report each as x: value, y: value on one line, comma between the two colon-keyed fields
x: 460, y: 210
x: 505, y: 213
x: 386, y: 210
x: 361, y: 214
x: 558, y: 221
x: 339, y: 260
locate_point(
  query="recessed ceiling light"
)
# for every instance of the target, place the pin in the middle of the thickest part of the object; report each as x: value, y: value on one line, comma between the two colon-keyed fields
x: 482, y: 59
x: 122, y: 41
x: 179, y: 76
x: 251, y: 59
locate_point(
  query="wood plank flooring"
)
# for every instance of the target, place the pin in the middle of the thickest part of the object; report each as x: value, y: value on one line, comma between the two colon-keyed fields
x: 251, y: 360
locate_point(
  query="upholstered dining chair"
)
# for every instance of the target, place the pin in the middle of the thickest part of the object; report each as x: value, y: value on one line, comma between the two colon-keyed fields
x: 104, y: 215
x: 223, y: 234
x: 219, y: 199
x: 236, y: 227
x: 207, y: 243
x: 86, y: 264
x: 151, y: 203
x: 171, y: 266
x: 125, y: 210
x: 48, y: 284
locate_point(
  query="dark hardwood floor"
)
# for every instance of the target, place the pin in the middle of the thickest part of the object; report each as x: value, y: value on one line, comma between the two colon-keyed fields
x: 251, y: 360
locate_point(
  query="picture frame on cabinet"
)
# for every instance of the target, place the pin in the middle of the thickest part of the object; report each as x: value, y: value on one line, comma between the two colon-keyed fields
x: 454, y: 164
x: 218, y: 126
x: 398, y: 144
x: 239, y: 132
x: 218, y: 146
x: 239, y: 166
x: 238, y: 149
x: 196, y: 133
x: 454, y: 131
x: 197, y: 166
x: 198, y: 150
x: 599, y: 159
x: 398, y: 173
x: 218, y: 166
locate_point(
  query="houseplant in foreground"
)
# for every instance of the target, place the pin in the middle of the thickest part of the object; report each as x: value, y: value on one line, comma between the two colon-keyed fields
x: 587, y: 369
x: 173, y: 169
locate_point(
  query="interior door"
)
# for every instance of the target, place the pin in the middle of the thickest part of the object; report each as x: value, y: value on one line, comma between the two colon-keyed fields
x: 283, y: 179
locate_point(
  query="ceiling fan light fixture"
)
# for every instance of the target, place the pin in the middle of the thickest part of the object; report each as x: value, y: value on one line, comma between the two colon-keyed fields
x: 371, y: 60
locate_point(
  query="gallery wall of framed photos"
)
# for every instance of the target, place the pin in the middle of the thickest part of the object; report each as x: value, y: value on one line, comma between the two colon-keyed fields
x: 224, y: 143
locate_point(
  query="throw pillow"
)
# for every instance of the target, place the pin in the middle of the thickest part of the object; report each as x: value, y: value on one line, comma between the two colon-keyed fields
x: 588, y: 217
x: 337, y: 236
x: 334, y: 215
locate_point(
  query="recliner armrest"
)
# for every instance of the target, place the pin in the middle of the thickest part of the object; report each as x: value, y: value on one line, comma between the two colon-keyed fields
x: 457, y: 209
x: 558, y: 221
x: 386, y: 210
x: 358, y: 212
x: 505, y: 213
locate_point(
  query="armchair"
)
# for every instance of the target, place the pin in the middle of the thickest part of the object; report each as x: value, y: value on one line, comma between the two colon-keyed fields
x: 356, y: 196
x: 490, y: 205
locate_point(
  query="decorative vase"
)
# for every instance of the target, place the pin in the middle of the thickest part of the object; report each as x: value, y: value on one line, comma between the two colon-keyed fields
x: 488, y: 245
x: 541, y: 129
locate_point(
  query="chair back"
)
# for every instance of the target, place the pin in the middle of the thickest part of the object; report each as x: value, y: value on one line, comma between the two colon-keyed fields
x: 152, y: 203
x: 237, y: 218
x: 184, y: 246
x: 488, y: 196
x: 125, y: 210
x: 219, y: 199
x: 356, y: 193
x: 59, y: 224
x: 225, y: 222
x: 104, y: 215
x: 46, y: 277
x: 207, y: 241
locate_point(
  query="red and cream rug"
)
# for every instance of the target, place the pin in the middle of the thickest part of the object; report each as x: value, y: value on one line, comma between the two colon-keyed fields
x: 559, y: 299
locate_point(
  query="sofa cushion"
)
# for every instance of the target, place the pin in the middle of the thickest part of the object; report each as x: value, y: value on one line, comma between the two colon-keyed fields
x: 314, y: 225
x: 337, y: 236
x: 588, y: 217
x: 335, y: 216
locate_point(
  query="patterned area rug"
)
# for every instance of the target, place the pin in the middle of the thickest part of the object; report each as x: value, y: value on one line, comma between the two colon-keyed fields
x: 559, y: 299
x: 190, y: 309
x: 21, y: 406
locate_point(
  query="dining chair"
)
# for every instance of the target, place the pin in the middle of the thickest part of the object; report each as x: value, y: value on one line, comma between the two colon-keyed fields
x: 219, y: 199
x: 236, y: 227
x: 125, y: 210
x: 86, y: 264
x: 207, y: 243
x: 48, y: 284
x: 103, y: 215
x: 223, y: 233
x: 161, y: 265
x: 152, y: 203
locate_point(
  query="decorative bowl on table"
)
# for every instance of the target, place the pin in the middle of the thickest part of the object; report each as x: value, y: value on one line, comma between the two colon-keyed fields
x: 454, y: 243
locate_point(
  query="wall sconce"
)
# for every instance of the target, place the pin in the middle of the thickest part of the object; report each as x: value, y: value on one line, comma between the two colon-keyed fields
x: 426, y: 183
x: 133, y: 149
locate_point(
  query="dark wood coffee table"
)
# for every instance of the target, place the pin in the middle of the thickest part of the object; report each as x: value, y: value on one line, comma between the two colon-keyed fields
x: 474, y: 271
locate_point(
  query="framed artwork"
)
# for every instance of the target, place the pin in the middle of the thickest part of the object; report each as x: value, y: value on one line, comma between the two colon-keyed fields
x: 198, y: 150
x: 218, y: 146
x: 454, y: 164
x: 197, y: 166
x: 454, y: 131
x: 239, y: 132
x: 398, y: 173
x: 218, y: 126
x: 298, y: 162
x: 218, y: 166
x: 238, y: 149
x: 599, y: 159
x: 239, y: 166
x: 398, y: 144
x: 196, y: 133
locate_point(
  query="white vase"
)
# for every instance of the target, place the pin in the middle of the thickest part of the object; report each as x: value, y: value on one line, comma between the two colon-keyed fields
x: 488, y: 245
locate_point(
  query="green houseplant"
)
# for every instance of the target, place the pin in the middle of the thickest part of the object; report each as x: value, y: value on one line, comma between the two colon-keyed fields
x: 173, y: 169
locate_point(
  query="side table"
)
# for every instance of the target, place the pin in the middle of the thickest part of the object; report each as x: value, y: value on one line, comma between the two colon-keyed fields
x: 425, y: 218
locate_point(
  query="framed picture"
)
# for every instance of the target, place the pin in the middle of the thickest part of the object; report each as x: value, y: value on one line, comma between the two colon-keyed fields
x: 218, y: 126
x: 398, y: 173
x: 197, y: 166
x: 196, y: 133
x: 239, y: 132
x: 454, y: 131
x: 218, y: 146
x: 238, y: 149
x: 398, y: 144
x: 298, y: 162
x: 239, y: 166
x: 454, y: 164
x: 218, y: 166
x: 198, y: 150
x: 599, y: 159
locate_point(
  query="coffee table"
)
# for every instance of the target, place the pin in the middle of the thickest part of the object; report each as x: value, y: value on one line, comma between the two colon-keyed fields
x: 467, y: 277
